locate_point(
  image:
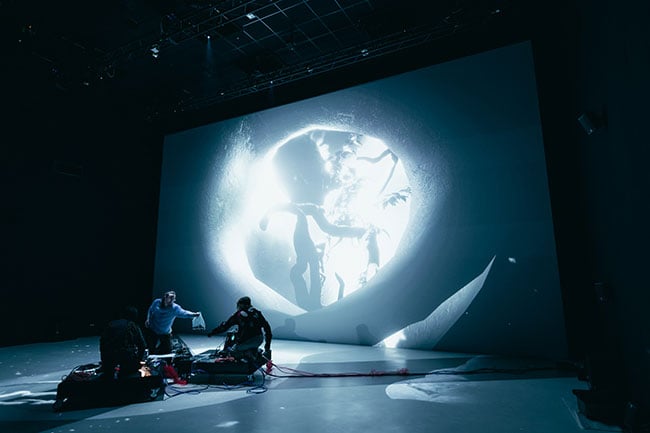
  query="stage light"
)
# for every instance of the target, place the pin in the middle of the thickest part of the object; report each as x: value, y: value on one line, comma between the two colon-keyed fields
x: 251, y: 16
x: 155, y: 51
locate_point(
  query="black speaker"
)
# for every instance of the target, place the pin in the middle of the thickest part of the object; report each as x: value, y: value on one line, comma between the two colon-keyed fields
x: 86, y: 387
x: 592, y: 121
x: 587, y: 122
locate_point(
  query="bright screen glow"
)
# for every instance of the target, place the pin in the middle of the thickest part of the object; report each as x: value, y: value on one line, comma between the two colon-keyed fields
x: 412, y: 211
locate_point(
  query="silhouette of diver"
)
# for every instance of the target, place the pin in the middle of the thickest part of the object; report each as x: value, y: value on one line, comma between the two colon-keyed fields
x: 308, y: 254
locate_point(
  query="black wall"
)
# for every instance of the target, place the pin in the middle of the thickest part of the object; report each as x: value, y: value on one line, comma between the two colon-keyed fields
x: 592, y: 58
x: 614, y: 64
x: 80, y: 183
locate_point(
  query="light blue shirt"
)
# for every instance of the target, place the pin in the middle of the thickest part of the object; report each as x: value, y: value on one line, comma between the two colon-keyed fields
x: 161, y: 319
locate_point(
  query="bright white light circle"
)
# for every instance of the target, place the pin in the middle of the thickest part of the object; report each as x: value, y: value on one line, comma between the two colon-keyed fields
x: 354, y: 228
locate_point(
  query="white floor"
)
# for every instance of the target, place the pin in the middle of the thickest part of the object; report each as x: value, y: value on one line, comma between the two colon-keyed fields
x: 342, y: 388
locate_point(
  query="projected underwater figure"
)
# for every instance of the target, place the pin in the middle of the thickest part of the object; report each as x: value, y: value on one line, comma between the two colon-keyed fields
x: 308, y: 254
x: 346, y: 192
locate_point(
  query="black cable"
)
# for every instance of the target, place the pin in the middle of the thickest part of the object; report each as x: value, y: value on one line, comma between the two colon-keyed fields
x: 486, y: 370
x: 372, y: 373
x: 290, y: 372
x: 179, y: 391
x: 261, y: 388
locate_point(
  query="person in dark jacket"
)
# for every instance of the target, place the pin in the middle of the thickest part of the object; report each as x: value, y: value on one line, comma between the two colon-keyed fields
x: 122, y: 345
x: 252, y: 329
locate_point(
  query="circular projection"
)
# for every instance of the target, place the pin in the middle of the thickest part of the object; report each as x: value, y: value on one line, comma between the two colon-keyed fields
x: 325, y: 211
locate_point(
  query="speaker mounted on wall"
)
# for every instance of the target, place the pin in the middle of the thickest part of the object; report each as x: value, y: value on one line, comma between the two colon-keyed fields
x: 592, y: 121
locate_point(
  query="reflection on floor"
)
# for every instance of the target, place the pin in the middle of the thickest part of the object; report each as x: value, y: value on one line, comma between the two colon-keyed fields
x: 312, y: 387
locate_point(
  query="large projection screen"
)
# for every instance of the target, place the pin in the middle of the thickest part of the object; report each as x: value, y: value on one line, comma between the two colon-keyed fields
x: 412, y: 211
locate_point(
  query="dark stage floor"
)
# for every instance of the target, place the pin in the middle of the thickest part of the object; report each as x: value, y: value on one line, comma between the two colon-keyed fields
x: 351, y: 389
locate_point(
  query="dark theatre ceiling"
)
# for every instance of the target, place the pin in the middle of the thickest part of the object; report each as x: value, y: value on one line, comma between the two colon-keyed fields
x: 161, y: 60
